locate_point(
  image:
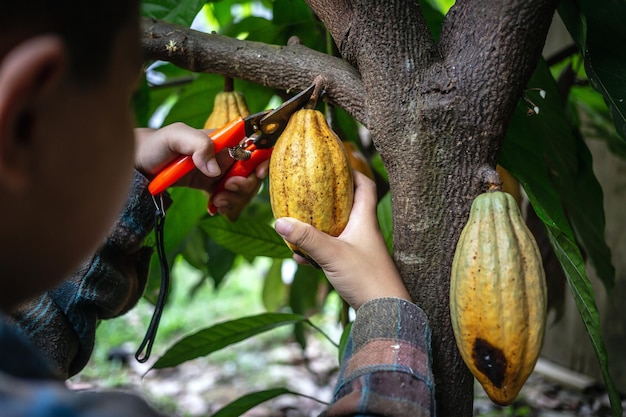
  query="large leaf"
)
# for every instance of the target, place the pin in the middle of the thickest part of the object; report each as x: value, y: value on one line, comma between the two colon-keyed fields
x: 254, y: 28
x: 596, y: 121
x: 598, y: 29
x: 274, y: 289
x: 181, y: 12
x: 248, y: 401
x: 295, y: 18
x: 223, y: 334
x: 221, y: 261
x: 570, y: 166
x: 544, y: 155
x: 195, y: 100
x: 246, y: 237
x: 303, y: 297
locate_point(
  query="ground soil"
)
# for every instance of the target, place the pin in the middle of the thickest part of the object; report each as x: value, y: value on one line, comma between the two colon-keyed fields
x: 201, y: 387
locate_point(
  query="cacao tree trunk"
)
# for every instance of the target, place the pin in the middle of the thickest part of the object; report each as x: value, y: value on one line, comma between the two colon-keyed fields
x: 437, y: 111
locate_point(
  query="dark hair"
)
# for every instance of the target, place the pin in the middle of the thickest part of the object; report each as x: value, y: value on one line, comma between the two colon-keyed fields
x: 88, y: 28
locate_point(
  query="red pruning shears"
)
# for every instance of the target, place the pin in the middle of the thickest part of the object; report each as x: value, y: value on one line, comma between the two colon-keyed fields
x: 249, y: 141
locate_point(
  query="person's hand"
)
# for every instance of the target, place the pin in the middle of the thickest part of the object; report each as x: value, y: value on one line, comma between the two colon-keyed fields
x: 239, y: 191
x: 357, y: 262
x: 156, y: 148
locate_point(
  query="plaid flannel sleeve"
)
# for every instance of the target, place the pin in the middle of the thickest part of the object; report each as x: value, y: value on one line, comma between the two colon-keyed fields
x: 62, y: 322
x: 386, y: 369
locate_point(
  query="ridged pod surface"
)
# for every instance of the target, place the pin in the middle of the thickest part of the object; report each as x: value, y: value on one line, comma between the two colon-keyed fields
x: 498, y: 296
x: 310, y: 177
x: 227, y: 106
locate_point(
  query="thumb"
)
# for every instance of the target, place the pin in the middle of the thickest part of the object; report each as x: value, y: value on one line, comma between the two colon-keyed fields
x: 318, y: 245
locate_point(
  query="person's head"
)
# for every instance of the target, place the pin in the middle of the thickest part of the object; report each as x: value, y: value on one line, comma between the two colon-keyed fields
x: 67, y: 72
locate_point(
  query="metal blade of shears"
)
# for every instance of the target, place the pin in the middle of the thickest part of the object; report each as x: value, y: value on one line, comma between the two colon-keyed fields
x: 273, y: 124
x: 268, y: 130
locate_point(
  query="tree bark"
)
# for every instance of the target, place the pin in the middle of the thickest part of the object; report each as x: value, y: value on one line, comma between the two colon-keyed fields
x: 437, y: 112
x: 288, y: 67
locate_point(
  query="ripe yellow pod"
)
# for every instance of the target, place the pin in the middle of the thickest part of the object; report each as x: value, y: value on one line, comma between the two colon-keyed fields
x: 510, y: 184
x: 227, y: 106
x: 310, y: 177
x: 498, y: 301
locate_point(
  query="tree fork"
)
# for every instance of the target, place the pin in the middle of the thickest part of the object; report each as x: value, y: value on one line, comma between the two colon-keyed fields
x: 437, y: 114
x: 436, y: 125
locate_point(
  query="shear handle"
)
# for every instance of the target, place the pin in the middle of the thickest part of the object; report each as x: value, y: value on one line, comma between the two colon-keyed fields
x: 239, y: 169
x: 227, y: 136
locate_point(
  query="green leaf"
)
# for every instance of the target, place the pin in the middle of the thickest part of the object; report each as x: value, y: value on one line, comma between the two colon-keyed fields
x: 379, y: 167
x: 248, y: 401
x: 181, y: 12
x: 343, y: 342
x: 570, y: 169
x: 221, y: 261
x: 599, y: 31
x: 195, y: 100
x: 194, y: 250
x: 595, y: 121
x: 542, y: 153
x: 274, y: 289
x: 573, y: 265
x: 255, y: 28
x: 303, y: 296
x: 221, y: 12
x: 433, y: 15
x: 214, y: 338
x: 344, y: 125
x: 385, y: 219
x: 246, y: 237
x: 257, y: 95
x: 141, y: 104
x: 295, y: 18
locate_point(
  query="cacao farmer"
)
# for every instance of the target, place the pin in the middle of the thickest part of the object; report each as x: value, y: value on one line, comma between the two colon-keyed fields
x: 74, y: 216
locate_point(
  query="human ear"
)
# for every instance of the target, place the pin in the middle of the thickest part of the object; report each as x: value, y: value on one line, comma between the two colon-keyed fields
x: 28, y: 73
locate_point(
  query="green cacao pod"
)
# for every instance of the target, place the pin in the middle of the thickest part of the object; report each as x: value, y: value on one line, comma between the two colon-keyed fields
x: 498, y: 301
x: 310, y: 177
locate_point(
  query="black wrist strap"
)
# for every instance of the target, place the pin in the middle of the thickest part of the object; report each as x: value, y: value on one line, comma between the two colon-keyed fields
x: 149, y: 338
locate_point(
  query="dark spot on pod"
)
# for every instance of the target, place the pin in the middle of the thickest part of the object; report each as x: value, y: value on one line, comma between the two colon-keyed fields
x: 490, y: 361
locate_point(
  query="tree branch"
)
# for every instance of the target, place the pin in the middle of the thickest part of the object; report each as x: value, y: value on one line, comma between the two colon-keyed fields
x: 336, y: 16
x: 284, y: 67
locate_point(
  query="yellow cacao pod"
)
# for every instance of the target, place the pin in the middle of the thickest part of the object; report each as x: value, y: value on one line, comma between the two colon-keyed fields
x: 227, y: 106
x: 498, y: 297
x: 357, y: 160
x: 310, y: 177
x: 510, y: 184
